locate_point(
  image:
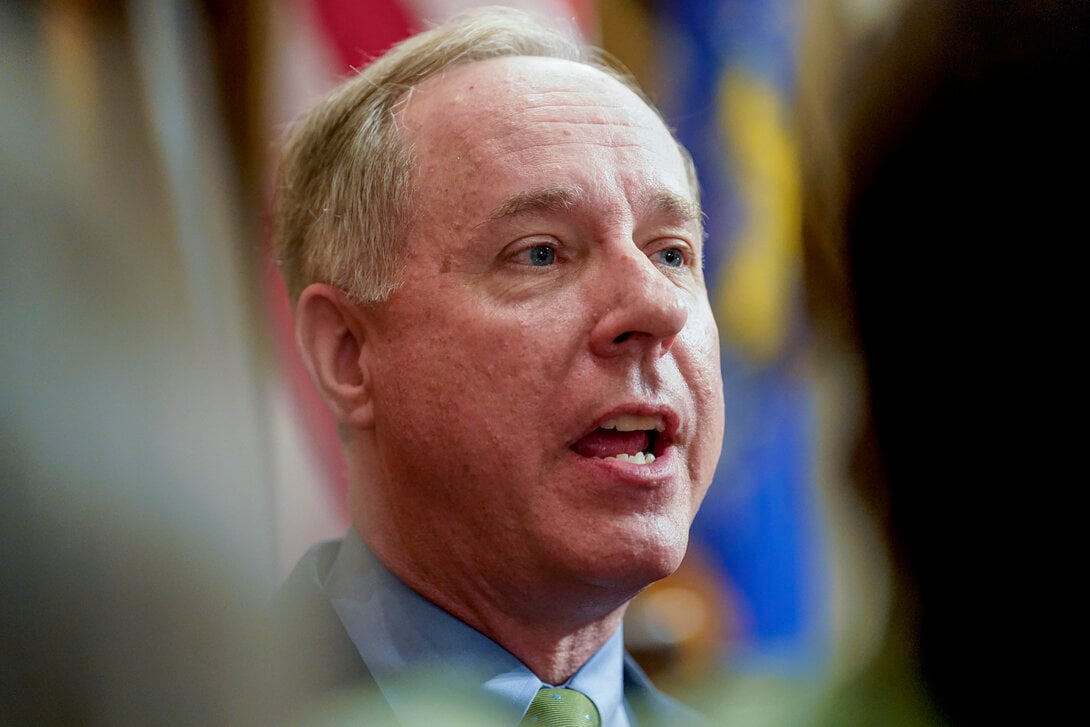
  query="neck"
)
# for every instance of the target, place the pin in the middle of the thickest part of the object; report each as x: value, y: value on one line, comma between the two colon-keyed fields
x: 555, y: 658
x: 553, y: 647
x: 551, y: 636
x: 551, y: 621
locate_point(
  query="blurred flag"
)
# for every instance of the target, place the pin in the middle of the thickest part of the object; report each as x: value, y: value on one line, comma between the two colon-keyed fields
x: 724, y: 71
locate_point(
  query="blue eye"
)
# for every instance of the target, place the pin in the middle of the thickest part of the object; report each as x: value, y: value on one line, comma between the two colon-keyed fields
x: 671, y: 257
x: 541, y: 255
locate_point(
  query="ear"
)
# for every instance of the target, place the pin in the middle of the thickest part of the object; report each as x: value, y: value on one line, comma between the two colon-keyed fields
x: 330, y: 331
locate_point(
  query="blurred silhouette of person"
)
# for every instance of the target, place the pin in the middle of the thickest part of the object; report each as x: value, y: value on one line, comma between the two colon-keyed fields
x: 941, y: 202
x: 132, y: 474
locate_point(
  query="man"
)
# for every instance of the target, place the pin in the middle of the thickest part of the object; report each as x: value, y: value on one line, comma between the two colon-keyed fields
x: 494, y: 245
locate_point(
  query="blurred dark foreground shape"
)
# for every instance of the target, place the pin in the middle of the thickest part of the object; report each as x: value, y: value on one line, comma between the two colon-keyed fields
x: 945, y: 162
x: 135, y: 555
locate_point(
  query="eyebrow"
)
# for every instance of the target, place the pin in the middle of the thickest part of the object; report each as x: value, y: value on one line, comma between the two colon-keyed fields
x: 547, y: 199
x: 675, y: 206
x: 562, y: 197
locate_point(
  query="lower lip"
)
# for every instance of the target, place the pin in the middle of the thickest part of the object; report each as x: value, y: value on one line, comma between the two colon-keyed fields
x: 653, y: 474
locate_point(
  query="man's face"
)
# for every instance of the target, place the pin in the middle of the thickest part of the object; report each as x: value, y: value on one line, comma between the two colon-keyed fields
x: 552, y: 315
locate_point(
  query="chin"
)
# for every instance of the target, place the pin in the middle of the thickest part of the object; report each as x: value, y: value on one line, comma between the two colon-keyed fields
x: 637, y: 560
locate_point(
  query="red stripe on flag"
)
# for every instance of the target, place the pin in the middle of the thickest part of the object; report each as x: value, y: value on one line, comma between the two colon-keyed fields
x: 360, y: 31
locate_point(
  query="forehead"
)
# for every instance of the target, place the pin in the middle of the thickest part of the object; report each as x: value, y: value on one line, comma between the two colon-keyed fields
x: 508, y: 119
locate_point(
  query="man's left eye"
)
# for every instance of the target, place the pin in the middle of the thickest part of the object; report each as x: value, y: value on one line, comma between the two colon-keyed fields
x: 541, y: 255
x: 671, y: 257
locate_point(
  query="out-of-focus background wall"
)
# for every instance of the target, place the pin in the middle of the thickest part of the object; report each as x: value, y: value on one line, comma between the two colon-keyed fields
x: 166, y: 461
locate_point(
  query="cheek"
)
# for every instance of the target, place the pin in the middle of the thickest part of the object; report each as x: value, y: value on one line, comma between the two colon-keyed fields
x: 706, y: 383
x: 699, y: 342
x: 526, y: 345
x: 480, y: 370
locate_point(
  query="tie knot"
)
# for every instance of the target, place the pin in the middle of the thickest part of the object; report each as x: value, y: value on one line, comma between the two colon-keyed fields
x: 561, y: 708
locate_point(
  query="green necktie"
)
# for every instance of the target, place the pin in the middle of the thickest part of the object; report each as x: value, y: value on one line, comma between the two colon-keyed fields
x: 561, y: 708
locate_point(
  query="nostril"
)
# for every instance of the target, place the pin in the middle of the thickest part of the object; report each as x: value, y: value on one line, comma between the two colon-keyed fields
x: 623, y: 337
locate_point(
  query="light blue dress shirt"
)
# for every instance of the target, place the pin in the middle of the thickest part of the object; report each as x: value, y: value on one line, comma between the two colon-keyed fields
x: 406, y: 642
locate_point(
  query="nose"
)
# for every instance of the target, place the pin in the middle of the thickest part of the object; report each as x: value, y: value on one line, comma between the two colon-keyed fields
x: 641, y: 310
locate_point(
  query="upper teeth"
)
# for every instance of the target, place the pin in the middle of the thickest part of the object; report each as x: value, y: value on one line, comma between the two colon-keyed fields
x: 632, y: 423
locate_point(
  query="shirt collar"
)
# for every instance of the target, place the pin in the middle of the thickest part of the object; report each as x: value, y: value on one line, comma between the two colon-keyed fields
x: 406, y: 641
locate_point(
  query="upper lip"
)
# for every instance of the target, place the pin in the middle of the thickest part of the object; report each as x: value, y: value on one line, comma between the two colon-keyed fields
x: 670, y: 419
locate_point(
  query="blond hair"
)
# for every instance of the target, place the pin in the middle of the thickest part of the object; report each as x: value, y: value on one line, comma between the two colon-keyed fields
x: 344, y: 188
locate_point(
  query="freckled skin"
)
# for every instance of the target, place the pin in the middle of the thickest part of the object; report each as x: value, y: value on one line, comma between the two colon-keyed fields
x: 488, y: 367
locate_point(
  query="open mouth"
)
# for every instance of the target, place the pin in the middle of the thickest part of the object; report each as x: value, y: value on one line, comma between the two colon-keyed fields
x: 627, y: 437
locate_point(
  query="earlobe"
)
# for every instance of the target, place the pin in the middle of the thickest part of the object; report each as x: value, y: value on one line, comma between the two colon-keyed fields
x: 330, y: 331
